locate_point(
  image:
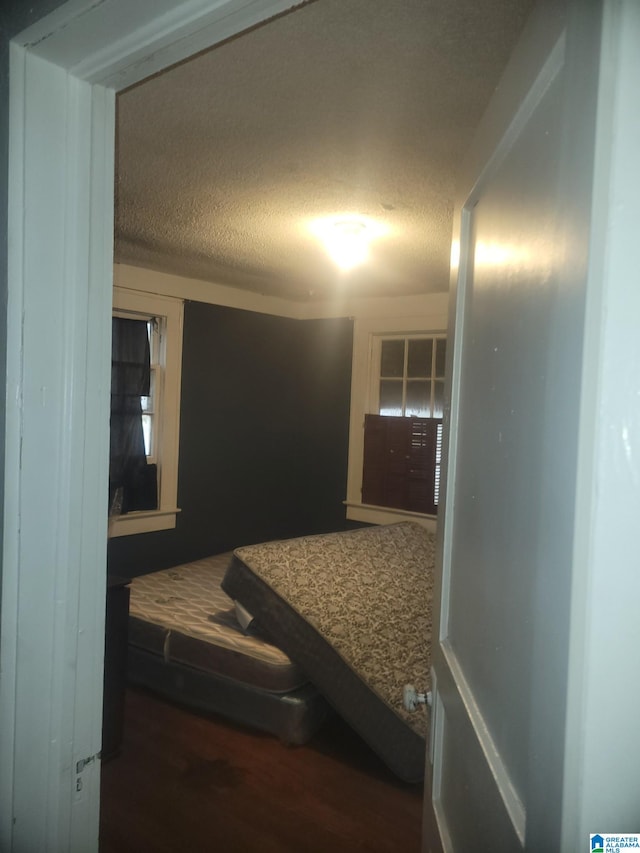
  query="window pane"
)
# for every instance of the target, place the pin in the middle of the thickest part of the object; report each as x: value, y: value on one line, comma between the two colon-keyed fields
x: 438, y: 401
x: 441, y: 351
x: 390, y: 398
x: 146, y: 429
x: 419, y: 358
x: 147, y: 403
x: 418, y: 399
x: 392, y: 358
x: 153, y: 332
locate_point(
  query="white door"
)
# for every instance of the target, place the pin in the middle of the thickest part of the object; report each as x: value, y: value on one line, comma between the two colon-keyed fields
x: 501, y: 664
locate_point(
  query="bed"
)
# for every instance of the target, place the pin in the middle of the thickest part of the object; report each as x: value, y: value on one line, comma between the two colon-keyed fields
x: 353, y: 610
x: 185, y: 643
x: 276, y: 634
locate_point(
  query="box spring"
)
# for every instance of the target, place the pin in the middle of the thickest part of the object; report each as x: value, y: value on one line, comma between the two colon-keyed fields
x: 186, y: 643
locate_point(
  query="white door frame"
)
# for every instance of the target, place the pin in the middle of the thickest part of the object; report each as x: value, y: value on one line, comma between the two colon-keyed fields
x: 64, y: 73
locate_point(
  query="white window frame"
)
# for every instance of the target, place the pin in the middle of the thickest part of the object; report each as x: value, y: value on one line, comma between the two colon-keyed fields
x: 138, y: 305
x: 368, y: 333
x: 376, y: 364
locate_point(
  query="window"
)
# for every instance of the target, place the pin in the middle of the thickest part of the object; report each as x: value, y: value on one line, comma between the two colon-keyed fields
x: 410, y: 378
x: 133, y: 482
x: 403, y: 438
x: 160, y: 407
x: 152, y: 404
x: 405, y: 363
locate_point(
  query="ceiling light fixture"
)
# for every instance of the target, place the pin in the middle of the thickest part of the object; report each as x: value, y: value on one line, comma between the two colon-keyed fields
x: 348, y: 243
x: 347, y: 237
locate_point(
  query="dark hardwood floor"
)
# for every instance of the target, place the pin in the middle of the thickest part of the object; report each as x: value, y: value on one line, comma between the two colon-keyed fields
x: 190, y: 783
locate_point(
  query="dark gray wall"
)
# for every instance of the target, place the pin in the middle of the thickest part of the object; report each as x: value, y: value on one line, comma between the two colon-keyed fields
x: 263, y: 436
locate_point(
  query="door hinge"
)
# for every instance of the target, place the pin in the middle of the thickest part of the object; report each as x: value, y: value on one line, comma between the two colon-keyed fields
x: 80, y: 765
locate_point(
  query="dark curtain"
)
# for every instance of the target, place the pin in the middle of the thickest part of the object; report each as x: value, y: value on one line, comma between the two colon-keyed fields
x: 132, y: 482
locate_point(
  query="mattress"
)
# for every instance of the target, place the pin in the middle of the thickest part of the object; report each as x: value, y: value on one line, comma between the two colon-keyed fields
x: 183, y: 615
x: 186, y: 642
x: 353, y: 610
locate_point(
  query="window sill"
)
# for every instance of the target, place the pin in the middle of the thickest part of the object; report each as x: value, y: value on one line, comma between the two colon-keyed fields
x: 387, y: 515
x: 142, y: 522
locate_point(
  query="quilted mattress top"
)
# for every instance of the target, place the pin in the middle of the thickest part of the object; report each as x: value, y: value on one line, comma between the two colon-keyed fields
x: 368, y: 594
x: 188, y: 599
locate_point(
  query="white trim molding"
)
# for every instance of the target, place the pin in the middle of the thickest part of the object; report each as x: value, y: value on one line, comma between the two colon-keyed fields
x: 387, y: 515
x: 213, y: 293
x: 55, y: 522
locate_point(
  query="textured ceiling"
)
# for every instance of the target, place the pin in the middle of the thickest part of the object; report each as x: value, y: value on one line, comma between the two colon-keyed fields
x: 342, y: 106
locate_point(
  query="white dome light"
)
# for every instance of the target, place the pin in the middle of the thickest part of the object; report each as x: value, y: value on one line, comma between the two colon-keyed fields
x: 348, y: 243
x: 347, y: 238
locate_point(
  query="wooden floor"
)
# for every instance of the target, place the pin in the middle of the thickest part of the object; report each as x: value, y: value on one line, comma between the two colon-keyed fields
x: 191, y: 783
